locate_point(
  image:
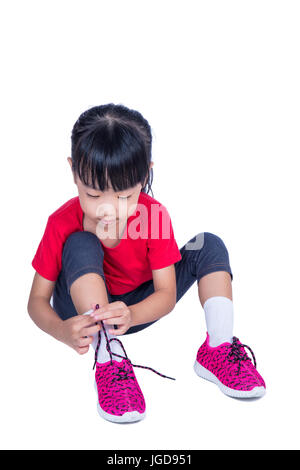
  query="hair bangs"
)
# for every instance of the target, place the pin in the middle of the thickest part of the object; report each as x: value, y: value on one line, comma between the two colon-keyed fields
x: 111, y: 151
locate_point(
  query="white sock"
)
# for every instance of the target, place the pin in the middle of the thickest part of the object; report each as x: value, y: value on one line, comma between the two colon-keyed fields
x: 103, y: 355
x: 219, y: 320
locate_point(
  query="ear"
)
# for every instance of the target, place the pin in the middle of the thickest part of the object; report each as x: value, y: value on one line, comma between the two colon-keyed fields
x: 150, y: 166
x: 70, y: 163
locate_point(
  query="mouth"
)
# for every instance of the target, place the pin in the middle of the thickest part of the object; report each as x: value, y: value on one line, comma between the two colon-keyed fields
x: 107, y: 221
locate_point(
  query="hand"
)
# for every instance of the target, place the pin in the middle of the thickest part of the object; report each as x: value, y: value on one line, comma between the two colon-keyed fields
x: 115, y: 313
x: 77, y: 332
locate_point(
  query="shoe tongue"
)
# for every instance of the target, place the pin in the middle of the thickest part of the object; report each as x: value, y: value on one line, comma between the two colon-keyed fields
x: 123, y: 364
x: 112, y: 363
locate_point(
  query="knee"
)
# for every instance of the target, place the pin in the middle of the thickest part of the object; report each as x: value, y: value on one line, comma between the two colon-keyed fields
x: 82, y: 244
x: 81, y: 239
x: 214, y: 243
x: 196, y: 243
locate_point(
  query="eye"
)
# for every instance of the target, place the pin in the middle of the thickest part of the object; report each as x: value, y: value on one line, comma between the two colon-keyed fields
x: 120, y: 197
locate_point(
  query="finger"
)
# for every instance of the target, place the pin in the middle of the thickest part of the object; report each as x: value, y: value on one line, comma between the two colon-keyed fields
x: 93, y: 305
x: 83, y: 342
x: 114, y: 321
x: 101, y: 308
x: 111, y: 306
x: 91, y: 330
x: 96, y: 307
x: 105, y: 316
x: 86, y: 320
x: 83, y: 350
x: 114, y: 325
x: 119, y: 331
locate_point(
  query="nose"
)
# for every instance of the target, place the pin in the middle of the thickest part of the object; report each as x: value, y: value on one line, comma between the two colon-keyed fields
x: 106, y: 211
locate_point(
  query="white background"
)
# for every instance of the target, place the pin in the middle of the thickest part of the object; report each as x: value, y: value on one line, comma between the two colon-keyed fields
x: 218, y: 82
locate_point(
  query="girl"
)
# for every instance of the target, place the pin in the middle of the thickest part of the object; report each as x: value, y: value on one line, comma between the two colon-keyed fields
x: 113, y: 246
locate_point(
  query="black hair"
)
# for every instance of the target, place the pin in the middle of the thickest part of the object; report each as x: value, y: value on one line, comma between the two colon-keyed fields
x: 112, y: 143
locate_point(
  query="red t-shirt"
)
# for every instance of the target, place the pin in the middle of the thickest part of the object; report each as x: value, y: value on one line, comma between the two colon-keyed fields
x: 147, y: 243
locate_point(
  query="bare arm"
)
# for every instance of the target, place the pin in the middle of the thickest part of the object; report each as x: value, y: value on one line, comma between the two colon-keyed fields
x: 39, y: 308
x: 76, y: 332
x: 155, y: 306
x: 161, y: 302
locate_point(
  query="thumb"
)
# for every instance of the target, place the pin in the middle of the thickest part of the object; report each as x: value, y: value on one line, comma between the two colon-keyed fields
x: 94, y: 306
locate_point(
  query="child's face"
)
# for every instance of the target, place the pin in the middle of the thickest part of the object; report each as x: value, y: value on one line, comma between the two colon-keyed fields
x: 109, y: 205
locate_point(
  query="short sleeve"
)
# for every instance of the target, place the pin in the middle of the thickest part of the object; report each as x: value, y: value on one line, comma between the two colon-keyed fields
x: 162, y: 247
x: 47, y: 259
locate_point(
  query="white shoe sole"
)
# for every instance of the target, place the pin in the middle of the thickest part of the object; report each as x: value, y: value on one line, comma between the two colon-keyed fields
x: 128, y: 417
x: 206, y: 374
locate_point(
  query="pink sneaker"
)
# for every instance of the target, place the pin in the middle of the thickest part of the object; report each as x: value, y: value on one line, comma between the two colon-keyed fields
x: 120, y: 398
x: 229, y: 367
